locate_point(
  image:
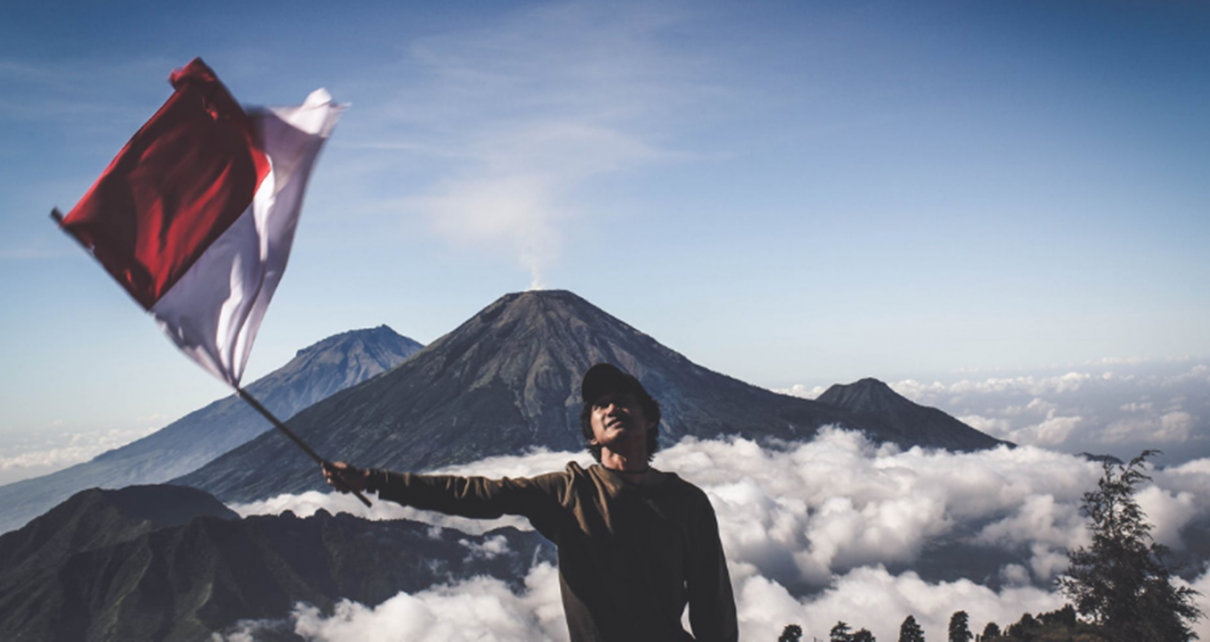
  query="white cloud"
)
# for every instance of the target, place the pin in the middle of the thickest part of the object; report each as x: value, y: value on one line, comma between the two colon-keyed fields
x: 480, y: 610
x: 1168, y: 511
x: 1138, y: 404
x: 1026, y: 385
x: 874, y: 599
x: 33, y: 459
x: 532, y: 108
x: 838, y: 502
x: 999, y: 428
x: 484, y: 609
x: 1041, y: 520
x: 1051, y: 432
x: 488, y: 549
x: 810, y: 532
x: 799, y: 390
x: 1169, y: 428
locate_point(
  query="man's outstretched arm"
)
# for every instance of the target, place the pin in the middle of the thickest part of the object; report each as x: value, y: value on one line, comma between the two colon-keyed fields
x: 476, y: 497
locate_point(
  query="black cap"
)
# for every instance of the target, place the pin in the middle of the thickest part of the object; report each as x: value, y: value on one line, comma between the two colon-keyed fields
x: 605, y: 378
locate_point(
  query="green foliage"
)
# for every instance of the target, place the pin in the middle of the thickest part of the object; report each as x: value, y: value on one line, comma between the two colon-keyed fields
x: 1121, y: 582
x: 960, y: 627
x: 1025, y: 629
x: 1063, y: 618
x: 1056, y: 626
x: 863, y: 635
x: 792, y: 633
x: 910, y: 631
x: 840, y: 633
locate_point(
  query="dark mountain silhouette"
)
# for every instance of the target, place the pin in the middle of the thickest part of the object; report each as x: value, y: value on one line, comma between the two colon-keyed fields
x: 97, y: 518
x: 507, y: 380
x: 315, y: 373
x: 170, y: 563
x: 874, y: 403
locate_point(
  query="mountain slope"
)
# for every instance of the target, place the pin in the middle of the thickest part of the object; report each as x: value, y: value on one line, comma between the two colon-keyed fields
x: 874, y: 402
x: 122, y: 565
x: 507, y: 380
x: 97, y: 518
x: 314, y: 373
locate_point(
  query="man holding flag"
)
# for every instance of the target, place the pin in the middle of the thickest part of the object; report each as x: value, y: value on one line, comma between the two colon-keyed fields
x: 636, y: 545
x: 195, y: 218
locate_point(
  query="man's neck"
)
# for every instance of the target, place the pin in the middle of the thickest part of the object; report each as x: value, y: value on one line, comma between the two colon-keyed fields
x: 623, y: 462
x: 634, y: 468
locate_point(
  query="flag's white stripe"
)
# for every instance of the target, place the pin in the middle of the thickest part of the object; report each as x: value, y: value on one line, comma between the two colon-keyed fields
x: 213, y: 312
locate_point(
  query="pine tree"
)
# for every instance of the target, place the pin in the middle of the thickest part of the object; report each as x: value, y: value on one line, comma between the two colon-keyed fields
x: 960, y: 627
x: 792, y: 633
x: 909, y: 631
x: 840, y: 633
x: 1121, y: 582
x: 1024, y: 629
x: 990, y: 632
x: 863, y: 635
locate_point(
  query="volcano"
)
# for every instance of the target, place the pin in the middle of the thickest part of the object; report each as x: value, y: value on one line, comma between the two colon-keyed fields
x: 507, y: 381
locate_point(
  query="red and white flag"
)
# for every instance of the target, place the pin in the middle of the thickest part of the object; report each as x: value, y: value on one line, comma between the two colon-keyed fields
x: 196, y: 215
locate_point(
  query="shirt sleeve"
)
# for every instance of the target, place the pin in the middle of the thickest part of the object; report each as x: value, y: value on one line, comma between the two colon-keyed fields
x: 475, y: 497
x: 711, y: 603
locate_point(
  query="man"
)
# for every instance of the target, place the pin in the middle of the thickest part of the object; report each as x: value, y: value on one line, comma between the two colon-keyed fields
x: 636, y: 545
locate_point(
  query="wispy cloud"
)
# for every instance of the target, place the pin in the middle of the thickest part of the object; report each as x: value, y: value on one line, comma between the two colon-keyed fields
x: 529, y: 110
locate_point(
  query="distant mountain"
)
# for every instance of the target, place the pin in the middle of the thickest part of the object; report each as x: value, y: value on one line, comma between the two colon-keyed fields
x: 507, y: 380
x: 171, y: 563
x: 874, y: 403
x: 315, y: 373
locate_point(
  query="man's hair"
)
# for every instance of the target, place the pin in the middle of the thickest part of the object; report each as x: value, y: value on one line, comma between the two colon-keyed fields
x: 651, y: 411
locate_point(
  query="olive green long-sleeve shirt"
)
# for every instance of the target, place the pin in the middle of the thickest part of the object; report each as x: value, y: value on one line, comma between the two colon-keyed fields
x: 631, y: 557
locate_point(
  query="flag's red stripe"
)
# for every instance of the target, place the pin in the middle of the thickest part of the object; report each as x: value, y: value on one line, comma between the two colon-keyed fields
x: 179, y: 183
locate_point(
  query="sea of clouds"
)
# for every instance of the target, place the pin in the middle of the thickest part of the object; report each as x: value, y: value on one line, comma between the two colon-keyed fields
x: 838, y: 528
x: 1110, y: 406
x: 814, y: 533
x: 43, y: 453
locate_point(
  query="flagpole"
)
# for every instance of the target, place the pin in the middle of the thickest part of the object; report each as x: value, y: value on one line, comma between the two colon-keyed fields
x: 57, y: 217
x: 243, y: 394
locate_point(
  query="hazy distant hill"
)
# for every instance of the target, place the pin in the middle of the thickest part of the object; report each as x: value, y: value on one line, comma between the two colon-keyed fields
x: 315, y: 373
x: 171, y: 563
x: 507, y: 380
x: 875, y: 403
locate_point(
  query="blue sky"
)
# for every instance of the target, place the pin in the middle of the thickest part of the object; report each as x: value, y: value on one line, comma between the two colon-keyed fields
x: 787, y: 192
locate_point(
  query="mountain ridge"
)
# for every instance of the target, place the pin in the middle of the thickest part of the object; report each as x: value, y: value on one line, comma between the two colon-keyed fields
x: 103, y: 569
x: 315, y: 372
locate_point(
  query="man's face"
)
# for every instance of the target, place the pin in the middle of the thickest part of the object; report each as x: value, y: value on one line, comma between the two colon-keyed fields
x: 618, y: 422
